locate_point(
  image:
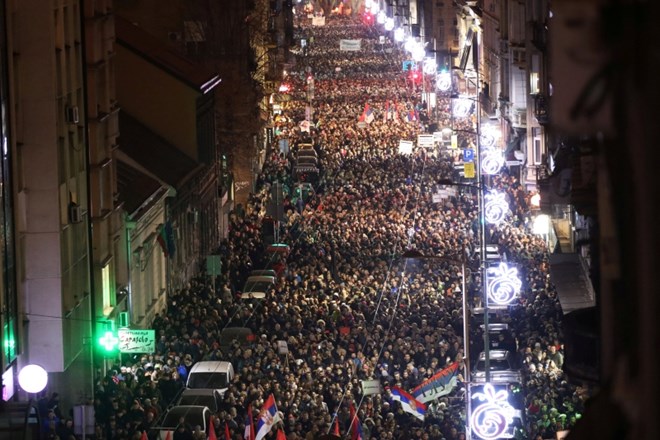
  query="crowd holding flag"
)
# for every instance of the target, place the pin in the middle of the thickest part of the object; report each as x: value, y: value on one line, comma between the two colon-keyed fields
x: 211, y: 430
x: 249, y: 433
x: 408, y: 402
x: 438, y: 385
x: 367, y: 115
x: 356, y: 426
x: 335, y: 431
x: 227, y: 434
x: 268, y: 417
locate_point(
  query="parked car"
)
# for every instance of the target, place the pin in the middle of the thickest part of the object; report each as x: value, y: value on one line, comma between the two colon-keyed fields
x: 502, y: 368
x: 201, y: 397
x: 189, y: 415
x: 257, y: 286
x: 216, y: 375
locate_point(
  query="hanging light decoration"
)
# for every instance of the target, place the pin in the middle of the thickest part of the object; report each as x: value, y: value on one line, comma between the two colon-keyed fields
x: 381, y: 17
x: 491, y: 419
x: 503, y: 284
x: 375, y: 8
x: 492, y: 161
x: 429, y: 65
x: 443, y: 81
x: 399, y: 34
x: 389, y: 25
x: 462, y: 107
x: 496, y: 207
x: 410, y: 44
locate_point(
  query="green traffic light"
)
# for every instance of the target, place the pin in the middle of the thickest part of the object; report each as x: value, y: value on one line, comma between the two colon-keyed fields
x: 109, y: 341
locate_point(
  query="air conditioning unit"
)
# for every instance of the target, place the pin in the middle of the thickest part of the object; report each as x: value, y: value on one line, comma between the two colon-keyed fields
x: 72, y: 116
x: 75, y: 213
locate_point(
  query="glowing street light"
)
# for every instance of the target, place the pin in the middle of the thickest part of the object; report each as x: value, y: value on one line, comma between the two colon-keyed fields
x: 389, y: 25
x: 375, y: 8
x: 410, y: 44
x: 399, y: 34
x: 33, y: 378
x: 418, y: 53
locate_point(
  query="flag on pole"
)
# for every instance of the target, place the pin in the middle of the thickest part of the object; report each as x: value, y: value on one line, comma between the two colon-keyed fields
x: 248, y: 434
x: 335, y: 431
x: 367, y: 115
x: 408, y: 402
x: 280, y: 435
x: 144, y: 435
x: 211, y: 429
x: 268, y: 417
x: 438, y: 385
x: 227, y: 434
x: 169, y: 435
x: 356, y: 426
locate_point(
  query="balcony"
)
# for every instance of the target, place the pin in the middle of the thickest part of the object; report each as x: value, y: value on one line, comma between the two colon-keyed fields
x: 542, y: 108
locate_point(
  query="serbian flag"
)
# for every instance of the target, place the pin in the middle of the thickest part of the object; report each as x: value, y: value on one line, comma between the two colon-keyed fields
x: 438, y: 385
x: 356, y: 426
x: 227, y: 434
x: 408, y: 403
x: 367, y: 115
x: 336, y: 430
x: 248, y: 434
x: 395, y: 116
x: 268, y: 417
x: 280, y: 435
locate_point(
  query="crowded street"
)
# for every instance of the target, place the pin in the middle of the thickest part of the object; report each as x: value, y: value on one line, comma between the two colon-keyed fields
x: 347, y: 307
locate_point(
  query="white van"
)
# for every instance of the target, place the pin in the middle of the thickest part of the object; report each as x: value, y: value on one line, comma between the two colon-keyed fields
x: 214, y: 375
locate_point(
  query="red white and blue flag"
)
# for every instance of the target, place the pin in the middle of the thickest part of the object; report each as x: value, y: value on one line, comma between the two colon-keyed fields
x: 356, y: 426
x: 438, y: 385
x: 408, y: 402
x: 268, y: 417
x: 367, y: 115
x: 248, y: 434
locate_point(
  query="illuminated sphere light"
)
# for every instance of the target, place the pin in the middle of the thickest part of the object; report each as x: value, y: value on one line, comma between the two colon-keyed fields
x: 492, y: 161
x: 375, y: 8
x: 462, y: 107
x: 389, y: 25
x: 381, y: 17
x: 443, y: 81
x: 399, y: 33
x: 496, y: 207
x: 490, y: 419
x: 503, y: 284
x: 367, y: 4
x: 33, y: 378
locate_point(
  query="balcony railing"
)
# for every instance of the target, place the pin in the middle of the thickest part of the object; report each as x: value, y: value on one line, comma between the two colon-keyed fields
x: 542, y: 108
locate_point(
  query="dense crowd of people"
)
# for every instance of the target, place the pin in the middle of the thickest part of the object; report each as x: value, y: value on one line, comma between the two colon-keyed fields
x: 348, y: 305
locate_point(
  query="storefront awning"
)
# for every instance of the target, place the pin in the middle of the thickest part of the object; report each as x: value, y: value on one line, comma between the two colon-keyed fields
x: 570, y: 277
